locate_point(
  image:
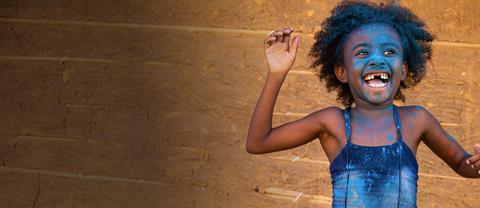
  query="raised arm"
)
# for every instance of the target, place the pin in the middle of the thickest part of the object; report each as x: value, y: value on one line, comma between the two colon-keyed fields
x: 448, y: 149
x: 280, y: 55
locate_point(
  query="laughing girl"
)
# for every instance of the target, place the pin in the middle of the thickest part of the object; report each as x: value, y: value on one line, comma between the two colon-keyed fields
x: 367, y: 53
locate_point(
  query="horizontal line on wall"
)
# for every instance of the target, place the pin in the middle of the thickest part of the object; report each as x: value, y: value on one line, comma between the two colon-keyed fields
x: 186, y: 28
x: 99, y: 60
x: 74, y: 105
x: 323, y: 162
x: 47, y: 138
x: 301, y: 72
x: 297, y: 158
x: 130, y: 25
x: 92, y: 141
x: 294, y: 196
x: 457, y: 44
x: 41, y: 58
x: 53, y: 139
x: 99, y: 106
x: 78, y: 59
x: 81, y: 176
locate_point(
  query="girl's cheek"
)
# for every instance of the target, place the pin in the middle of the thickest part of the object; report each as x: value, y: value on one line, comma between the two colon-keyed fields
x: 357, y: 66
x: 397, y: 62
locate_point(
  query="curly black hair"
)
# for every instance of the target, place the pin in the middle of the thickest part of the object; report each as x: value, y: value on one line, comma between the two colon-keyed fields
x: 349, y: 15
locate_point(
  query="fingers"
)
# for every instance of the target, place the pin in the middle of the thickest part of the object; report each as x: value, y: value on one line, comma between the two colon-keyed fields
x: 269, y: 41
x: 286, y: 35
x: 476, y: 165
x: 294, y: 45
x: 474, y: 161
x: 279, y: 36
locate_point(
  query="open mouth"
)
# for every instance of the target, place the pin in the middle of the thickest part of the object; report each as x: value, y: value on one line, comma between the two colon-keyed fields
x: 377, y: 79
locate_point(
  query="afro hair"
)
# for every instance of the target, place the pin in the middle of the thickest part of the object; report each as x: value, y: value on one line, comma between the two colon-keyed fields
x: 349, y: 15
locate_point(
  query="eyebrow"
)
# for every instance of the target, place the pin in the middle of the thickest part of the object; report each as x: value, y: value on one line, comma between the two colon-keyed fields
x: 390, y: 43
x: 360, y: 45
x: 383, y: 44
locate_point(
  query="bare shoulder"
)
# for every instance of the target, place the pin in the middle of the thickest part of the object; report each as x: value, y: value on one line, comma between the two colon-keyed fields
x: 329, y: 118
x: 327, y: 114
x: 419, y: 118
x: 417, y: 112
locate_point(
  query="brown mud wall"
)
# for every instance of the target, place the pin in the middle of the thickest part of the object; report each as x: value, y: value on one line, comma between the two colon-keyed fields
x: 146, y: 103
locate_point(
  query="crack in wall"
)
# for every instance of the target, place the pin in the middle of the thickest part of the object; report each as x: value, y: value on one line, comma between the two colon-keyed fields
x: 38, y: 193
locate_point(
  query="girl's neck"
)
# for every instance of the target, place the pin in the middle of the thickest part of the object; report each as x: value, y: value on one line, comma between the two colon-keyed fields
x: 369, y: 110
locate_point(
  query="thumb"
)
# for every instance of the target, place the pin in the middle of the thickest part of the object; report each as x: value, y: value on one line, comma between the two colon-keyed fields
x: 294, y: 45
x: 477, y: 149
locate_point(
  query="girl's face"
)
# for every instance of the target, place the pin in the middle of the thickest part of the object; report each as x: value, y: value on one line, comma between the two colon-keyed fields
x: 373, y: 64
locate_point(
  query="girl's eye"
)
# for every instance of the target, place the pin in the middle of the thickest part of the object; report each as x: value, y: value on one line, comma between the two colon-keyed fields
x: 389, y: 52
x: 362, y: 53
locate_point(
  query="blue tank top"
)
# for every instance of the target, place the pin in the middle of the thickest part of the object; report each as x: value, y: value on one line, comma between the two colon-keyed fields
x: 374, y: 176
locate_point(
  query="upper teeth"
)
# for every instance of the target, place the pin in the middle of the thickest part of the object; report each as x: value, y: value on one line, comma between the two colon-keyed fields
x: 382, y: 75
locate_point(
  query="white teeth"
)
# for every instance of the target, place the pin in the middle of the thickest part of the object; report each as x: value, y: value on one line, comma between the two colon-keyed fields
x: 369, y: 77
x: 382, y: 75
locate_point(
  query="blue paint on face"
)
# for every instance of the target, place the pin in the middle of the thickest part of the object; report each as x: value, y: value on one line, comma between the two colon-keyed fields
x: 373, y: 48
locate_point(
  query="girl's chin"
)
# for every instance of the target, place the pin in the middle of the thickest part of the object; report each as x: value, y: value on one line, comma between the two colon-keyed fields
x: 378, y: 94
x: 378, y: 98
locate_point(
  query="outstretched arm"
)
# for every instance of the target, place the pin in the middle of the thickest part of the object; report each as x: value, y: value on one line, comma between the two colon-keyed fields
x: 448, y: 149
x: 280, y: 55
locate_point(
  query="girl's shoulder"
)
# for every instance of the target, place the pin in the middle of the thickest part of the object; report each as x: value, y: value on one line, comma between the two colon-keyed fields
x: 414, y: 111
x: 330, y: 112
x: 330, y: 117
x: 417, y: 116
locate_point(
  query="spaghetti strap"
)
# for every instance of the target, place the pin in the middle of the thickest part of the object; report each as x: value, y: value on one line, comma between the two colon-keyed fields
x: 398, y: 124
x: 346, y: 116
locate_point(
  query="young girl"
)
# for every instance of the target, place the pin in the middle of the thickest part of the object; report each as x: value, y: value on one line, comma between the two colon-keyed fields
x: 367, y: 53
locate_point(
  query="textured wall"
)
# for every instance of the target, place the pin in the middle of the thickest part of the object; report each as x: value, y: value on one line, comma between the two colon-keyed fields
x: 146, y: 103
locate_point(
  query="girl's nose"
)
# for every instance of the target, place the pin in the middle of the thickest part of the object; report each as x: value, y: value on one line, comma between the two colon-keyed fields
x: 376, y: 61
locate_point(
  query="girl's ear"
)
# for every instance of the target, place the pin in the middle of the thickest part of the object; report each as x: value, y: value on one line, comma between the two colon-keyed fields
x: 341, y: 74
x: 404, y: 70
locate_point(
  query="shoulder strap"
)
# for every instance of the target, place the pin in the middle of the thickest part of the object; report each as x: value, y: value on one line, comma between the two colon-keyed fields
x: 398, y: 124
x: 346, y: 115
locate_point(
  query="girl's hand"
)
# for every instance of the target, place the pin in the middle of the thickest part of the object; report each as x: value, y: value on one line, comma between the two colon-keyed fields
x: 279, y: 52
x: 474, y: 161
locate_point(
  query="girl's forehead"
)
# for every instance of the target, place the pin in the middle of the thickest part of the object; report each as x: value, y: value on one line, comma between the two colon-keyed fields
x: 373, y: 33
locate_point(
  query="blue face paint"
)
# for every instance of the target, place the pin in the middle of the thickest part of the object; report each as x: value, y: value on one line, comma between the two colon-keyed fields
x: 376, y: 50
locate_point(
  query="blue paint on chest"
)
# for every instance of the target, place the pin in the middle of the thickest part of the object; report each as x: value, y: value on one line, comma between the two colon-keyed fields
x: 390, y: 137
